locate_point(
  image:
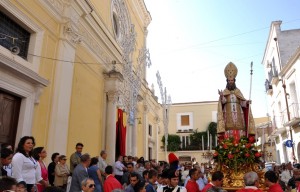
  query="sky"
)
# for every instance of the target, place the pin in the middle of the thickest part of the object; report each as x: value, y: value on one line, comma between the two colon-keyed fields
x: 191, y: 41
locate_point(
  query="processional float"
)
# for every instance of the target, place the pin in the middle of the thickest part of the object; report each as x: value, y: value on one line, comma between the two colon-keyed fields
x: 236, y: 152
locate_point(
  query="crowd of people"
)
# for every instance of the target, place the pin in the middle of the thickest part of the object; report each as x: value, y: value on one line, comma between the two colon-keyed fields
x: 25, y: 170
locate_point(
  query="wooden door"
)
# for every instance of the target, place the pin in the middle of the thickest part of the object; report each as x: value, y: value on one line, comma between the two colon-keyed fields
x: 9, y: 115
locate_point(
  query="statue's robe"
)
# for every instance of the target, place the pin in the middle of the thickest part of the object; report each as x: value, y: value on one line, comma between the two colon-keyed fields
x: 233, y: 112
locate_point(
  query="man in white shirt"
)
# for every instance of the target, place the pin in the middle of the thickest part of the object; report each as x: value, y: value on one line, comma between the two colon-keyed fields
x: 102, y: 164
x: 185, y: 173
x: 287, y: 174
x: 119, y: 168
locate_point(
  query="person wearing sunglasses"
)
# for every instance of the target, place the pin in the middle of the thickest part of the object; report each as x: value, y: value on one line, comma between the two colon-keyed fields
x: 61, y: 173
x: 88, y: 185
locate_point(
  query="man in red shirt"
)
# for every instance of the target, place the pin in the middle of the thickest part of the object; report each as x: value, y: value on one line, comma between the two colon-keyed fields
x: 271, y: 182
x: 192, y: 185
x: 297, y: 183
x: 216, y: 182
x: 111, y: 182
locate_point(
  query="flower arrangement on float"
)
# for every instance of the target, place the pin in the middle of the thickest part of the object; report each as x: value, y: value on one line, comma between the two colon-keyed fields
x: 236, y: 153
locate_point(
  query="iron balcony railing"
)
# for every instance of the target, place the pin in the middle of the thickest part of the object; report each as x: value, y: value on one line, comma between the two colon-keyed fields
x: 293, y: 112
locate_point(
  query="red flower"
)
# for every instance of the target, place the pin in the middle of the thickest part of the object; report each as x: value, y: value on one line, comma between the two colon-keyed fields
x: 235, y: 143
x: 220, y: 138
x: 248, y: 145
x: 225, y: 146
x: 216, y: 154
x: 247, y: 155
x: 230, y: 156
x: 257, y: 154
x: 251, y: 139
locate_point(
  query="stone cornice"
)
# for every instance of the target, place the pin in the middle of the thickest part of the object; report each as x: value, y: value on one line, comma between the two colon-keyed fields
x: 82, y: 26
x: 95, y: 36
x: 22, y: 71
x: 142, y: 12
x: 55, y: 7
x: 113, y: 74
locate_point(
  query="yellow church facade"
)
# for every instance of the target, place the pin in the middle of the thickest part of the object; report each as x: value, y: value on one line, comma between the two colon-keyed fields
x: 67, y: 67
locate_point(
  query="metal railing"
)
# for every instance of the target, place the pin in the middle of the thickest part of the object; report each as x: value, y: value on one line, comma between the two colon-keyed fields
x: 293, y: 111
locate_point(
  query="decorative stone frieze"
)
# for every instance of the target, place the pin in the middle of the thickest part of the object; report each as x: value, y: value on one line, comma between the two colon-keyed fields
x: 72, y: 34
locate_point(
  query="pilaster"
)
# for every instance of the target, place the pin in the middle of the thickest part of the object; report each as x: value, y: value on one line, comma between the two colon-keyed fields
x: 113, y: 79
x: 63, y: 82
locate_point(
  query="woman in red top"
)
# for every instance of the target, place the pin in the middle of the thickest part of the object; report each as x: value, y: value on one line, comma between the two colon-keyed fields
x: 39, y: 154
x: 192, y: 185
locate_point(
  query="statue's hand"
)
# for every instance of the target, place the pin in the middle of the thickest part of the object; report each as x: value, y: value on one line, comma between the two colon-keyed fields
x: 220, y: 92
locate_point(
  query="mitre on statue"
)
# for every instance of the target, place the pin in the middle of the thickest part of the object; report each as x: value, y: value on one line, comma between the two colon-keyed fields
x: 230, y: 70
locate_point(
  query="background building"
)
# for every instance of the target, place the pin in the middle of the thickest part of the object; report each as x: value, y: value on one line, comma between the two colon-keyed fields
x: 184, y: 120
x: 281, y: 64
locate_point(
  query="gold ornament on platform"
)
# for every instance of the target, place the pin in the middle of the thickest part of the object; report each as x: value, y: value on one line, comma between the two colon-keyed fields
x: 230, y: 70
x: 235, y: 180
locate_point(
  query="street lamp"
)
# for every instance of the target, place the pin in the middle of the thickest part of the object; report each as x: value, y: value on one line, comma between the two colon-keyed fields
x: 286, y: 98
x: 288, y: 116
x: 166, y: 102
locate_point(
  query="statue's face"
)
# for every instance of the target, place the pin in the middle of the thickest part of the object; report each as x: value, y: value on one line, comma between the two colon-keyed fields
x: 230, y: 81
x: 231, y: 84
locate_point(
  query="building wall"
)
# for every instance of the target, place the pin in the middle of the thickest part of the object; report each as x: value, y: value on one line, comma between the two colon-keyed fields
x: 62, y: 86
x: 285, y: 56
x: 87, y: 105
x: 201, y: 115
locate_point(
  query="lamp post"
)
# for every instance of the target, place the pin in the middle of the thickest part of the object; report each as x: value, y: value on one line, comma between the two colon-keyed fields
x: 285, y: 96
x: 166, y: 102
x: 289, y: 117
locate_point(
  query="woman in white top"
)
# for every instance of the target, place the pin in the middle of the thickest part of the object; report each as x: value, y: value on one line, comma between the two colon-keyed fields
x: 24, y: 166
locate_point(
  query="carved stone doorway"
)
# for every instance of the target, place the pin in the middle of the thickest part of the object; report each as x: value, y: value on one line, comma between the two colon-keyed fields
x: 9, y: 115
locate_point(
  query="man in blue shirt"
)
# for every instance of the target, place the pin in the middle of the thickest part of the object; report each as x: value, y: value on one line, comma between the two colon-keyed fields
x: 152, y: 178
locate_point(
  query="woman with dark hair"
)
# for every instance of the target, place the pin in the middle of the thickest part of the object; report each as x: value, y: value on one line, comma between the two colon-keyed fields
x: 51, y: 168
x: 25, y: 167
x: 39, y: 154
x: 95, y: 174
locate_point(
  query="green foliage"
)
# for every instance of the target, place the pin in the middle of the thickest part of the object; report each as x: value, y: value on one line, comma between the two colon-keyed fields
x: 173, y: 142
x: 212, y: 127
x: 196, y: 138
